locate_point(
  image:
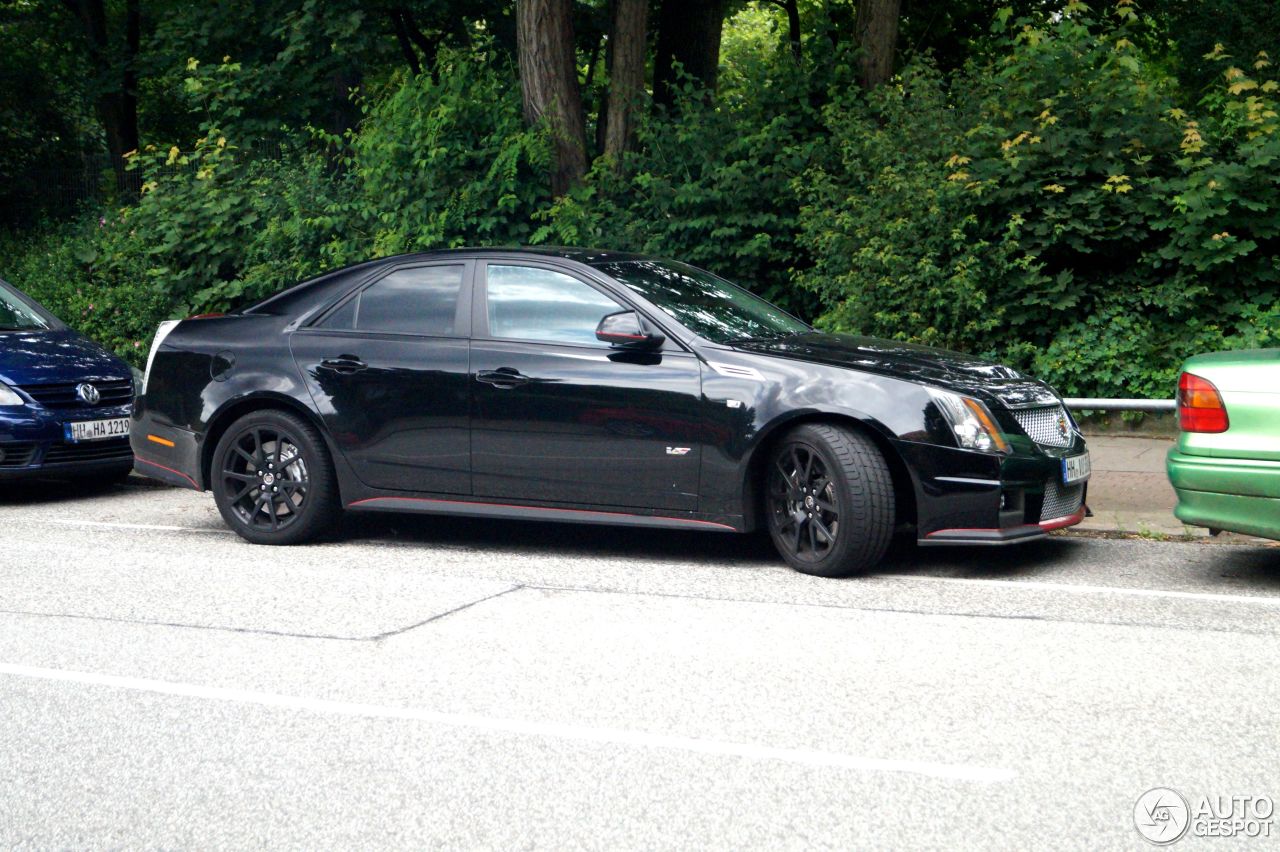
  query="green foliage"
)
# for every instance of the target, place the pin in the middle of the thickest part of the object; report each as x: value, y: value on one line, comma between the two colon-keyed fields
x: 199, y: 218
x: 1055, y: 208
x: 1192, y: 29
x: 1056, y: 203
x: 448, y: 163
x: 90, y: 274
x: 899, y: 250
x: 710, y: 181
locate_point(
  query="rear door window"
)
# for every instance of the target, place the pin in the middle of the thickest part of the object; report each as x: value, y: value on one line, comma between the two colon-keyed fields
x: 419, y: 300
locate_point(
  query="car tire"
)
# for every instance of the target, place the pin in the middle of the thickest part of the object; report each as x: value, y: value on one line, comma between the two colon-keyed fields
x: 829, y: 500
x: 273, y: 479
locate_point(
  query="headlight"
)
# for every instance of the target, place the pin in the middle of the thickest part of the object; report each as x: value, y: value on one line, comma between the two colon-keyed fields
x: 137, y: 381
x: 8, y: 397
x: 971, y: 423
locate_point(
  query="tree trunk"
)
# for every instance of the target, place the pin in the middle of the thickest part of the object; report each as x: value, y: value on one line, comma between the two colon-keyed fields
x: 688, y: 34
x: 549, y: 83
x: 429, y: 48
x: 626, y: 74
x: 344, y: 113
x: 117, y: 104
x: 402, y: 38
x: 877, y: 29
x: 793, y: 25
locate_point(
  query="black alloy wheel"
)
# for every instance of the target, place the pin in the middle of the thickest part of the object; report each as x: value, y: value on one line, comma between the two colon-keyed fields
x: 272, y: 479
x: 829, y: 500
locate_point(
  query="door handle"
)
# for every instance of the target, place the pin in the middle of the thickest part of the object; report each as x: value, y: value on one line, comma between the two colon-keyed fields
x: 503, y: 377
x: 343, y: 364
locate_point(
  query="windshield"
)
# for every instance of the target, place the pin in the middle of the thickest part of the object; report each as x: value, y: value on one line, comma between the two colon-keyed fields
x: 710, y: 306
x: 16, y: 314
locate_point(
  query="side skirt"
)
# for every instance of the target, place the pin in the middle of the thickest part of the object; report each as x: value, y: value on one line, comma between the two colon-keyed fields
x: 507, y: 511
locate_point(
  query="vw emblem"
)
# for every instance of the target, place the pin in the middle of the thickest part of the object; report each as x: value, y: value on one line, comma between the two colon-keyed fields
x: 88, y: 394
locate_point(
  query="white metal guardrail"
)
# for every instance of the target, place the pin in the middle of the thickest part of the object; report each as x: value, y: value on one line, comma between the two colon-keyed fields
x: 1093, y: 404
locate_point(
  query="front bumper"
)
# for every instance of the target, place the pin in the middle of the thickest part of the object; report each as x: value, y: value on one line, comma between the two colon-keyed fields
x: 1003, y: 535
x: 965, y: 497
x: 33, y: 445
x: 1238, y: 495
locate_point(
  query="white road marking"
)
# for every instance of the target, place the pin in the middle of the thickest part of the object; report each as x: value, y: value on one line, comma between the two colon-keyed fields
x: 615, y: 736
x: 1076, y: 588
x: 69, y: 522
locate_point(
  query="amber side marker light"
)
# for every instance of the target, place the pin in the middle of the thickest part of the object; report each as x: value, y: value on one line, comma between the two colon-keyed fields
x: 1200, y: 406
x: 156, y: 439
x: 984, y: 417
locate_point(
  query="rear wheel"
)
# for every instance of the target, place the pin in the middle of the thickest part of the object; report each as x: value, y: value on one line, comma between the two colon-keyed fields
x: 273, y: 480
x: 829, y: 500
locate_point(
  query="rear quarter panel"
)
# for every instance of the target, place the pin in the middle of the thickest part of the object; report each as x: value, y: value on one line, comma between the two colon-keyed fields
x: 1249, y: 382
x: 206, y: 370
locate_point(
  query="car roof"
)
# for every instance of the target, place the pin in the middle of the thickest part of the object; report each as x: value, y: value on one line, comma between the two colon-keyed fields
x: 286, y: 299
x: 589, y: 256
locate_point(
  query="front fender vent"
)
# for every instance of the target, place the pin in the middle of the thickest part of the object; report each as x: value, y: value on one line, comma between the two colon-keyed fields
x: 734, y: 371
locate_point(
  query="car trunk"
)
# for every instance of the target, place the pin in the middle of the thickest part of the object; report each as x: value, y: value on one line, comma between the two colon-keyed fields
x: 1249, y: 383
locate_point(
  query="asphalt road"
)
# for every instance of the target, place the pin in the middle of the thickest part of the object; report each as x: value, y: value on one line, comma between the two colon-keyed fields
x: 445, y: 683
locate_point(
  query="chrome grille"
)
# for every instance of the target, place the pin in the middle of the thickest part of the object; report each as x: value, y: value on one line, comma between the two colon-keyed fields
x: 1060, y: 500
x: 1048, y: 425
x: 63, y: 394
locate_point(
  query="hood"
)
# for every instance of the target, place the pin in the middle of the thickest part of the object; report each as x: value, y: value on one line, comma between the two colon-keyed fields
x: 56, y: 355
x: 913, y: 363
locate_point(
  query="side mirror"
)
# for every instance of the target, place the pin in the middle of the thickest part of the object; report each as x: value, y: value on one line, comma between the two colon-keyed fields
x: 626, y: 330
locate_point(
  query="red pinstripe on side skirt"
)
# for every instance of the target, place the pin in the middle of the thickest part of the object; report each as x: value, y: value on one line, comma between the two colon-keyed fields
x: 140, y: 459
x: 541, y: 509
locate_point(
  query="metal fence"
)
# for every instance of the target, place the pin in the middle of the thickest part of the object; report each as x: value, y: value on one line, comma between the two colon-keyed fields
x: 1094, y: 404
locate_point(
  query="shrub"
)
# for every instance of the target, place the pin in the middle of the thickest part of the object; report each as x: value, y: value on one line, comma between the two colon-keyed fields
x: 898, y: 249
x: 90, y: 273
x: 448, y: 163
x: 1054, y: 208
x: 709, y: 182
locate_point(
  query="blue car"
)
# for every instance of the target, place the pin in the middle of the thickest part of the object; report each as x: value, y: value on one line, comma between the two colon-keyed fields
x: 65, y: 402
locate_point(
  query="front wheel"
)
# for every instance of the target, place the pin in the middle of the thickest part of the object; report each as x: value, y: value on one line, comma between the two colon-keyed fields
x: 829, y: 500
x: 273, y: 481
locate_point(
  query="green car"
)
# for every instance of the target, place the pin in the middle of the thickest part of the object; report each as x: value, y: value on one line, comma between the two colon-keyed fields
x: 1225, y: 467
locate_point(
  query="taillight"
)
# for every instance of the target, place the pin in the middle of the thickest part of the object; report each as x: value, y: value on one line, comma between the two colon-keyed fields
x: 1200, y: 407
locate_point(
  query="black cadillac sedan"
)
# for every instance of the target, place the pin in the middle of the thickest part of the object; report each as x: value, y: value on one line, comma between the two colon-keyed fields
x: 597, y: 387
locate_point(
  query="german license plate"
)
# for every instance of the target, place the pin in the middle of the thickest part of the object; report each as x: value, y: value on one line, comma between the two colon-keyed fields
x: 1075, y: 469
x: 96, y: 430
